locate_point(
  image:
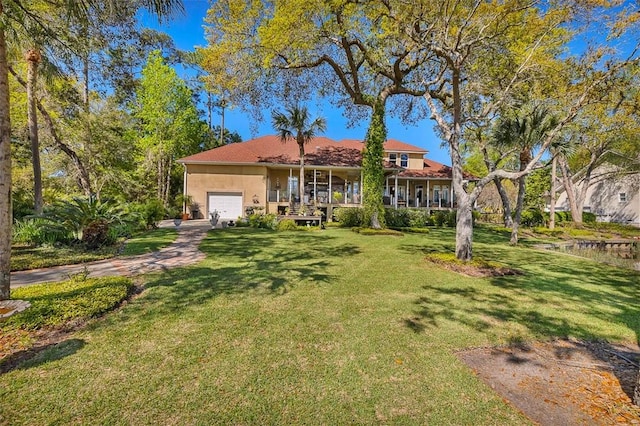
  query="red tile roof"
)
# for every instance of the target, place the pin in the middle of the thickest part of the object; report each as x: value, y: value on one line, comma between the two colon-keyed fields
x: 320, y: 151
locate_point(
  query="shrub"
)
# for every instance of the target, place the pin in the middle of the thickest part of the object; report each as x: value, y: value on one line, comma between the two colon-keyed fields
x: 37, y: 231
x: 152, y: 212
x: 96, y: 234
x: 264, y: 221
x: 531, y: 218
x: 588, y: 217
x: 287, y: 225
x: 79, y: 213
x: 397, y: 218
x: 439, y: 218
x: 451, y: 219
x: 54, y: 304
x: 349, y: 216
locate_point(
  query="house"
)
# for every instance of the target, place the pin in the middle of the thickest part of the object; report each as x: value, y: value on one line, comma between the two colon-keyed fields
x: 263, y: 172
x: 611, y: 196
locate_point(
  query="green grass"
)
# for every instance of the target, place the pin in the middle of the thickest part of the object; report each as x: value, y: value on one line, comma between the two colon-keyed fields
x: 327, y: 327
x: 26, y: 257
x: 149, y: 241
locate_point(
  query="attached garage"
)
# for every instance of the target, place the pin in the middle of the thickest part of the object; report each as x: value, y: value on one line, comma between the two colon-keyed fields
x: 228, y: 204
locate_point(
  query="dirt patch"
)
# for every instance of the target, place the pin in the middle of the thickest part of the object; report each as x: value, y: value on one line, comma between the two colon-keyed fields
x: 475, y: 268
x: 563, y: 381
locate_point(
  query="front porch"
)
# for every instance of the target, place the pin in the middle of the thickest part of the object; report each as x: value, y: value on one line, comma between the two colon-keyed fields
x: 328, y: 188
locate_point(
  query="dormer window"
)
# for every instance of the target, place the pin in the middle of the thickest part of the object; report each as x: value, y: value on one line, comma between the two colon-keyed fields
x: 393, y: 158
x: 404, y: 160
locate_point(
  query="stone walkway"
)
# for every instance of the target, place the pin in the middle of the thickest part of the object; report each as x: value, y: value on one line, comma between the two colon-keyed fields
x: 183, y: 251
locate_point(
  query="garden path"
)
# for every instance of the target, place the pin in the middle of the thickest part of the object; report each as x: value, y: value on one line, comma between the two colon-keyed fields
x: 182, y: 252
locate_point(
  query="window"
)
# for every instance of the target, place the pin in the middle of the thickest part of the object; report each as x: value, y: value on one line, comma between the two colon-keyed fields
x: 404, y: 160
x: 622, y: 197
x: 393, y: 158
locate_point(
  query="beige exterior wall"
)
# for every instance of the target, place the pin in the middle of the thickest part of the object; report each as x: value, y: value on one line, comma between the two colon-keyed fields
x: 416, y: 161
x: 247, y: 180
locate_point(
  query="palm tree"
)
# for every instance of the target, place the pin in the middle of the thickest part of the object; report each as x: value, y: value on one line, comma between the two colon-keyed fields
x: 295, y: 123
x: 523, y: 133
x: 15, y: 16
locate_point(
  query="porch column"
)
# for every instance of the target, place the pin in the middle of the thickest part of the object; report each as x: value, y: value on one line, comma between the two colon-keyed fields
x: 184, y: 189
x: 427, y: 193
x: 395, y: 198
x: 407, y: 195
x: 266, y: 199
x: 330, y: 190
x: 315, y: 186
x: 291, y: 183
x: 451, y: 200
x: 387, y: 185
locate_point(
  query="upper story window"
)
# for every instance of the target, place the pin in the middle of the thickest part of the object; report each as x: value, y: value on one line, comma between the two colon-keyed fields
x: 622, y: 197
x: 404, y: 160
x: 393, y: 158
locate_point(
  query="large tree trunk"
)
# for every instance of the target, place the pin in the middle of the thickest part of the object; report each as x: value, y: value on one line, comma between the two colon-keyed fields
x: 5, y: 171
x: 464, y: 228
x: 636, y: 393
x: 525, y: 157
x: 506, y: 204
x: 33, y: 59
x: 372, y: 157
x: 569, y: 189
x: 519, y: 205
x: 552, y: 195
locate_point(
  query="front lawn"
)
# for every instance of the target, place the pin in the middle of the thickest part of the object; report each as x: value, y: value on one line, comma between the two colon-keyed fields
x: 329, y: 327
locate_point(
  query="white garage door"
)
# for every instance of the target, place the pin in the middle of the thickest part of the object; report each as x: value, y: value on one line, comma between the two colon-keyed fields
x: 228, y: 204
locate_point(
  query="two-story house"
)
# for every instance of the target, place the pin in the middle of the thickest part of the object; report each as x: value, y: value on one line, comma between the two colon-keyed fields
x: 264, y: 172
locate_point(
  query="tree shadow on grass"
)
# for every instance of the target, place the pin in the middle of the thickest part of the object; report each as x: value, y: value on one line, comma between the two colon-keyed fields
x: 38, y: 355
x: 249, y: 260
x: 558, y: 297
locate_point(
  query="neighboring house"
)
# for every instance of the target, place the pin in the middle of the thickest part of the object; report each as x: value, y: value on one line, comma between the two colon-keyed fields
x: 263, y: 172
x: 611, y: 196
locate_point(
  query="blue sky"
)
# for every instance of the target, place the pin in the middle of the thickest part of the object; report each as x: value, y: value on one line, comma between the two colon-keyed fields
x: 187, y: 32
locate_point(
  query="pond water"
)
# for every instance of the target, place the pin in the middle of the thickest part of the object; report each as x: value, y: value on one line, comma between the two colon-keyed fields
x: 625, y: 258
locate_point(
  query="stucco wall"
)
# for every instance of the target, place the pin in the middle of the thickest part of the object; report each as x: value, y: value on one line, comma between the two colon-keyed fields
x: 603, y: 199
x: 248, y: 180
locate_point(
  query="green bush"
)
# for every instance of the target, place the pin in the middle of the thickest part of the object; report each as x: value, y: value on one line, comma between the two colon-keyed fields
x: 349, y: 216
x: 531, y: 218
x: 152, y: 212
x: 287, y: 225
x: 588, y: 217
x: 439, y: 218
x: 451, y: 219
x: 79, y: 213
x: 37, y: 231
x: 397, y: 218
x: 79, y: 298
x: 264, y: 221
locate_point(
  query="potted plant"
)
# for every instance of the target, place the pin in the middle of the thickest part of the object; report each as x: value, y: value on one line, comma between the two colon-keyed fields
x: 181, y: 202
x: 337, y: 195
x: 194, y: 208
